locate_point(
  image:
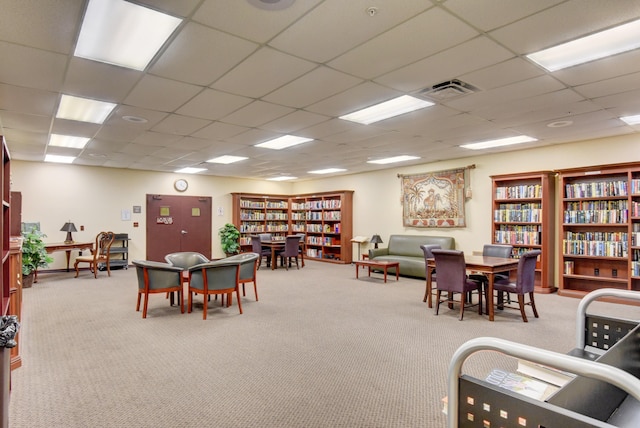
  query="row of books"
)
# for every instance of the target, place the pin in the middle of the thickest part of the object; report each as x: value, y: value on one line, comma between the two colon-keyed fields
x: 316, y: 240
x: 524, y: 215
x: 326, y: 215
x: 326, y: 228
x: 596, y: 189
x: 324, y: 204
x: 596, y: 236
x: 596, y: 216
x: 595, y: 248
x: 517, y: 238
x: 519, y: 192
x: 620, y: 204
x: 252, y: 215
x: 277, y: 216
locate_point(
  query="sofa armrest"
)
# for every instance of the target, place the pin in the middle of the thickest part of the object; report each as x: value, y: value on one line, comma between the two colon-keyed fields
x: 375, y: 252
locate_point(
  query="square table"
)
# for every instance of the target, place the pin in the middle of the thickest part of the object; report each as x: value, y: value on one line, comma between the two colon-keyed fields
x: 379, y: 264
x: 488, y: 266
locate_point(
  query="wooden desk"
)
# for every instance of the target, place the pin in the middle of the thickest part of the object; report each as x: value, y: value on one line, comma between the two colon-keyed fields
x: 61, y: 246
x: 488, y: 266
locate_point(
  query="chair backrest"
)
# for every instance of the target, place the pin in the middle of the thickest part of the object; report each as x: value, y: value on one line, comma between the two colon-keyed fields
x: 217, y: 275
x: 527, y: 271
x: 497, y: 250
x: 255, y: 244
x: 157, y: 275
x: 265, y: 236
x: 186, y: 259
x: 452, y: 273
x: 427, y: 248
x: 248, y: 264
x: 291, y: 246
x: 103, y: 244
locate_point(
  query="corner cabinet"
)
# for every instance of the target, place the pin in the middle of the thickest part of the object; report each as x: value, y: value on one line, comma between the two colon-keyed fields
x: 600, y: 228
x: 325, y: 219
x: 523, y: 216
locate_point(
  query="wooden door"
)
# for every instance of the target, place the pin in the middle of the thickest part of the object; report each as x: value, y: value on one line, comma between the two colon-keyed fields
x: 178, y: 223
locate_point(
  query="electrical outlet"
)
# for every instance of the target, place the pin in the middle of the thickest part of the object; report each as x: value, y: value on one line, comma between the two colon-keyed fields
x: 614, y: 273
x: 596, y: 272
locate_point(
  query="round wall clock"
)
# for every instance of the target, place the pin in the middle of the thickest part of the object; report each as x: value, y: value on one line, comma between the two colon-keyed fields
x: 181, y: 185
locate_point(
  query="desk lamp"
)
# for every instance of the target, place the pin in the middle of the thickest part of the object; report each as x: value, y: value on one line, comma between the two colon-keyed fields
x: 375, y: 239
x: 69, y: 227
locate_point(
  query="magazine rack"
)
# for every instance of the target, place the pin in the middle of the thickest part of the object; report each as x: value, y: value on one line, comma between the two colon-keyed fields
x: 605, y: 392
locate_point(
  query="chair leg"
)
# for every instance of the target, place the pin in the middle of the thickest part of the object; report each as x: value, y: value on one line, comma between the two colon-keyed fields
x: 138, y: 302
x: 255, y: 289
x: 521, y: 304
x: 463, y: 302
x: 243, y: 292
x: 145, y: 305
x: 480, y: 300
x: 239, y: 301
x: 437, y: 301
x: 297, y: 267
x: 189, y: 302
x: 533, y: 304
x: 181, y: 298
x: 75, y: 266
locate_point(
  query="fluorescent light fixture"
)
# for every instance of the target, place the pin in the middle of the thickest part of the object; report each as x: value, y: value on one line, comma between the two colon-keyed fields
x: 83, y: 109
x: 227, y: 159
x: 284, y: 142
x: 68, y: 141
x: 327, y: 171
x: 282, y: 178
x: 595, y: 46
x: 190, y: 170
x: 498, y: 143
x: 394, y: 159
x: 59, y: 159
x: 122, y: 33
x: 387, y: 109
x: 631, y: 120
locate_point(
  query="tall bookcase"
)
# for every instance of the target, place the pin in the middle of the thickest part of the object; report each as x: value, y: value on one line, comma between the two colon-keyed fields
x: 523, y: 216
x: 600, y: 228
x: 5, y: 278
x: 325, y: 219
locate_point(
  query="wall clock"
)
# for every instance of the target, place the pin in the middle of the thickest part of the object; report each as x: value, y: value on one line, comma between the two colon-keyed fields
x: 181, y: 185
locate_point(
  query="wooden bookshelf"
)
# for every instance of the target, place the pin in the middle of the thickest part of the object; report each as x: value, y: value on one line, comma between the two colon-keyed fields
x: 523, y: 216
x: 600, y: 227
x: 325, y: 219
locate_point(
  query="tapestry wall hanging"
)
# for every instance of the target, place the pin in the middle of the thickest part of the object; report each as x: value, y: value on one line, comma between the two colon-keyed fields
x: 434, y: 199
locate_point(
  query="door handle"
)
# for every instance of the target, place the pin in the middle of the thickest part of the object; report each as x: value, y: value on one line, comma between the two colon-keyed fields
x: 184, y: 232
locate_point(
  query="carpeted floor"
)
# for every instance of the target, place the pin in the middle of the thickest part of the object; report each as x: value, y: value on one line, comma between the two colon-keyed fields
x: 320, y: 349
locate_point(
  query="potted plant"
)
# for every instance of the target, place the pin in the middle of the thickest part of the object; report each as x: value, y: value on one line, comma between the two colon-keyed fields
x: 34, y: 255
x: 229, y: 236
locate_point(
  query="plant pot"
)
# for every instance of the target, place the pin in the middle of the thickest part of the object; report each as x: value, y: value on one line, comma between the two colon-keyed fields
x: 27, y: 280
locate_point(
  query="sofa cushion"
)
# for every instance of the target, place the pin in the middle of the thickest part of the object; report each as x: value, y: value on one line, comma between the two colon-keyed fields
x: 409, y: 245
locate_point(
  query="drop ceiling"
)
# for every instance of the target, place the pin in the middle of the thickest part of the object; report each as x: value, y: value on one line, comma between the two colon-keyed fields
x: 234, y: 75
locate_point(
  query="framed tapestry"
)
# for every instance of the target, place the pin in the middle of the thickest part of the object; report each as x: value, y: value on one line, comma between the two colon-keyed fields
x: 434, y: 199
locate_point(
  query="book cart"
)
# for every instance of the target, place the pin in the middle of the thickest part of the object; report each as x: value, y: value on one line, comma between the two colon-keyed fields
x: 604, y: 393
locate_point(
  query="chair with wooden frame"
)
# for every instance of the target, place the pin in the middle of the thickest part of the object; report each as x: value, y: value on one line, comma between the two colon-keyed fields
x: 248, y: 270
x: 427, y: 251
x: 99, y: 254
x: 452, y: 278
x: 218, y: 277
x: 185, y: 260
x: 291, y: 250
x: 524, y: 284
x: 157, y: 277
x: 257, y: 248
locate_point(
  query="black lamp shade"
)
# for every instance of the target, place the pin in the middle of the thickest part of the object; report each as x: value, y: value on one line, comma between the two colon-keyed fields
x: 376, y: 239
x: 69, y: 227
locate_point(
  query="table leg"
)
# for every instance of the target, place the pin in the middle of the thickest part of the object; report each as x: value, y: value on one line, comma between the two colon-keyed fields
x: 369, y: 270
x: 356, y: 271
x: 398, y: 273
x: 489, y: 296
x: 385, y: 274
x: 68, y: 258
x: 273, y: 258
x: 427, y: 295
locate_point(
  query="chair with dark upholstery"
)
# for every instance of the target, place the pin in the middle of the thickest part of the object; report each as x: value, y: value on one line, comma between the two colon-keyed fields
x: 524, y: 284
x: 248, y: 270
x: 218, y: 277
x: 303, y: 246
x: 426, y: 249
x: 99, y: 254
x: 452, y: 278
x: 256, y: 247
x: 494, y: 250
x: 291, y: 250
x: 157, y: 277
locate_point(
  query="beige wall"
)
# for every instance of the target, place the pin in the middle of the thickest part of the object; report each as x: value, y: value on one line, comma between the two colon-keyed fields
x: 94, y: 197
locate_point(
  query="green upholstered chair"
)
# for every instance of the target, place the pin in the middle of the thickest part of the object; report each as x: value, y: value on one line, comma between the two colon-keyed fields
x: 157, y: 277
x: 213, y: 278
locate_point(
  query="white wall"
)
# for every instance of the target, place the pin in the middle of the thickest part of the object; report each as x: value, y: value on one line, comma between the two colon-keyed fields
x: 94, y: 196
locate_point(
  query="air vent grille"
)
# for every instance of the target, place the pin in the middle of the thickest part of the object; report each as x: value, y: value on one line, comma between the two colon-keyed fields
x: 447, y: 90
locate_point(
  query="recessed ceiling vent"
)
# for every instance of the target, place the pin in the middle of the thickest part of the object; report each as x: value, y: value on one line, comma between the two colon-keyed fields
x: 447, y: 90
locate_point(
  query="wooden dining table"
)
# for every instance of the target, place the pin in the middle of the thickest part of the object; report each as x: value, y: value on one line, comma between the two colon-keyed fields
x: 278, y: 244
x: 488, y: 266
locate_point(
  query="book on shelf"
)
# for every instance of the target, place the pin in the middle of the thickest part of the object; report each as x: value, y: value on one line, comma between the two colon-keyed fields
x: 544, y: 373
x: 521, y: 384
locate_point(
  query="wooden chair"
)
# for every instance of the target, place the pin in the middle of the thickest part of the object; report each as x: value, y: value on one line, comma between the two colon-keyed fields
x: 99, y: 254
x: 248, y: 270
x: 257, y: 248
x: 157, y: 277
x: 525, y: 284
x: 218, y: 277
x: 291, y: 250
x: 427, y: 251
x: 452, y: 278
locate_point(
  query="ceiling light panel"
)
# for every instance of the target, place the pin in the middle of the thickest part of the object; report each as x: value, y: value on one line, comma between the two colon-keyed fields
x: 595, y: 46
x: 282, y: 178
x: 59, y: 159
x: 327, y: 171
x: 122, y: 33
x: 283, y: 142
x: 83, y: 109
x: 68, y: 141
x: 631, y: 120
x: 499, y: 143
x: 190, y: 170
x: 227, y: 159
x: 394, y: 159
x: 387, y: 109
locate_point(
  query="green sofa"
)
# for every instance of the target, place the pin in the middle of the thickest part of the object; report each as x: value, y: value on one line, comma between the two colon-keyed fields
x: 406, y: 250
